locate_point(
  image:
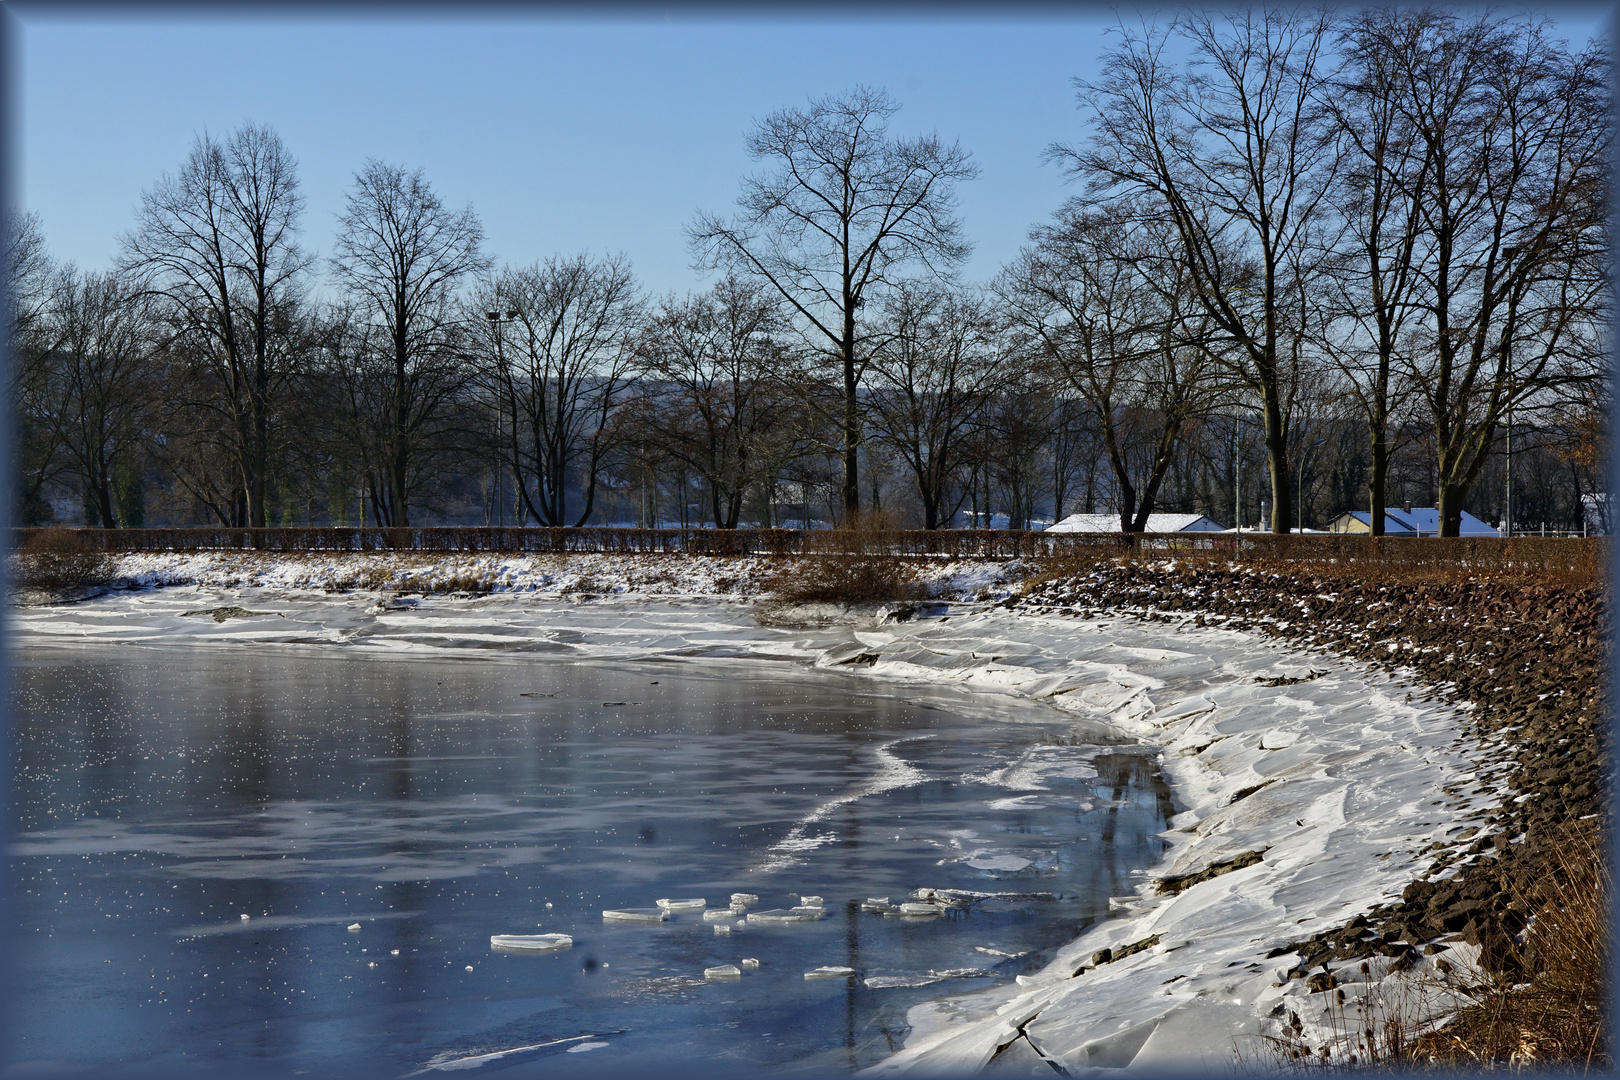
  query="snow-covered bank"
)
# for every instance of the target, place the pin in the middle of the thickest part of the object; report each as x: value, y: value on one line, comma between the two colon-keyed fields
x: 628, y: 575
x: 1327, y: 769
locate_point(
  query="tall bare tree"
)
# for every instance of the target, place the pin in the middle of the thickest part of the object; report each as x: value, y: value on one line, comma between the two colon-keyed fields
x: 1516, y: 134
x: 400, y: 254
x: 1096, y: 303
x: 566, y: 366
x: 31, y: 280
x: 219, y: 240
x: 711, y: 367
x: 1372, y: 293
x: 1227, y: 151
x: 101, y: 375
x: 938, y: 365
x: 842, y: 207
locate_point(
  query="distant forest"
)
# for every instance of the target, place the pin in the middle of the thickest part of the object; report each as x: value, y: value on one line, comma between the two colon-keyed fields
x: 1318, y: 262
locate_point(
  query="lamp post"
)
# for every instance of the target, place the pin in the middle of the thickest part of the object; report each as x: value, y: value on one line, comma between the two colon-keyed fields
x: 1508, y: 513
x: 495, y: 320
x: 1299, y: 485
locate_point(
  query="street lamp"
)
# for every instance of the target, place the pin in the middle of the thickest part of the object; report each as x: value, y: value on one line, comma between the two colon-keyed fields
x: 1299, y: 486
x: 495, y: 321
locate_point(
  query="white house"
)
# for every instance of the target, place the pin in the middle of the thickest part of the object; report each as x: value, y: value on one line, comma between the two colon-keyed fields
x: 1156, y: 523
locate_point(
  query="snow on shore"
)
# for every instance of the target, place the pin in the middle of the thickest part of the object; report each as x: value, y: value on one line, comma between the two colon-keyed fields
x: 1330, y: 771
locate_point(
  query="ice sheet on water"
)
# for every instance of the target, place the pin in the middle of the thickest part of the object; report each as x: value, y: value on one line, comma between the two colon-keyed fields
x: 744, y: 898
x: 915, y: 908
x: 829, y: 972
x: 718, y: 914
x: 890, y: 982
x: 782, y: 915
x: 696, y: 904
x: 642, y: 914
x: 531, y: 942
x: 723, y: 971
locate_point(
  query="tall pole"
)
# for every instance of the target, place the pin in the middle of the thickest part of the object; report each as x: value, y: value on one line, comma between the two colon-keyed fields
x: 1509, y: 513
x: 1237, y: 481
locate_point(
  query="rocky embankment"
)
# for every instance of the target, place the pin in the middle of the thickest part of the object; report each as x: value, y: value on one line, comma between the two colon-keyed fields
x: 1530, y: 661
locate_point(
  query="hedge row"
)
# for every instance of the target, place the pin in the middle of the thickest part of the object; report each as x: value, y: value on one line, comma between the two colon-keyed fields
x: 1528, y: 556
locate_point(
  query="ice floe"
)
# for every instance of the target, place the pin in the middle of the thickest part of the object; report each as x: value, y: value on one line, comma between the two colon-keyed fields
x: 636, y: 915
x: 531, y: 942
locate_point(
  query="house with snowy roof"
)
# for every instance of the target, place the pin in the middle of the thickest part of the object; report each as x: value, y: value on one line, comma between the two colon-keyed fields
x: 1156, y: 523
x: 1407, y: 521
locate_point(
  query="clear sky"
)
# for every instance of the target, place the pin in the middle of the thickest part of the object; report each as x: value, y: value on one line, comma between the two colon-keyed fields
x: 564, y: 133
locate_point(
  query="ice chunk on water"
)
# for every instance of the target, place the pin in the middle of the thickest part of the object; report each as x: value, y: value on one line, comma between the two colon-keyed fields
x: 887, y: 982
x: 723, y: 971
x: 810, y: 913
x: 245, y: 918
x: 829, y: 973
x: 810, y: 901
x: 882, y: 900
x: 718, y: 914
x: 921, y: 909
x: 722, y: 928
x: 531, y: 942
x: 878, y: 905
x: 750, y: 963
x: 681, y: 905
x: 635, y: 914
x: 989, y: 951
x: 782, y: 915
x: 744, y: 898
x: 354, y: 928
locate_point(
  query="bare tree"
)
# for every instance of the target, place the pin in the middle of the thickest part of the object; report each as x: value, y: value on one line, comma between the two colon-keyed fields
x: 400, y: 255
x: 560, y: 380
x: 1516, y: 133
x: 842, y: 208
x: 939, y: 364
x: 31, y: 280
x: 710, y: 366
x: 1372, y: 293
x: 1227, y: 152
x: 218, y: 240
x: 1095, y: 303
x: 100, y: 372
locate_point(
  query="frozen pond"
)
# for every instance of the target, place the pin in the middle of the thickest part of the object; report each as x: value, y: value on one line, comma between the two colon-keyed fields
x: 160, y: 795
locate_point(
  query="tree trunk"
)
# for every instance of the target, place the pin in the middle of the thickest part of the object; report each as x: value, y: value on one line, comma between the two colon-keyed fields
x: 1277, y: 460
x: 1450, y: 508
x: 1376, y: 483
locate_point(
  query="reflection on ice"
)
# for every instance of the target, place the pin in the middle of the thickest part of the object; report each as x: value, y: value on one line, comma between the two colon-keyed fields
x: 431, y: 802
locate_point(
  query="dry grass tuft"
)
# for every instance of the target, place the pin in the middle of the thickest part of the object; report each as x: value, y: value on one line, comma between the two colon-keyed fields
x: 1548, y: 1015
x: 1555, y: 1016
x: 56, y: 559
x: 853, y: 565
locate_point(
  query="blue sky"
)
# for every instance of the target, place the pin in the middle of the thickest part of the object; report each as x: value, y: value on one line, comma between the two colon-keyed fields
x: 565, y: 134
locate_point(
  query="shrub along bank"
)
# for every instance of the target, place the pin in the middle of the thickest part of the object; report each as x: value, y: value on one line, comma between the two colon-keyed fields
x: 1527, y: 882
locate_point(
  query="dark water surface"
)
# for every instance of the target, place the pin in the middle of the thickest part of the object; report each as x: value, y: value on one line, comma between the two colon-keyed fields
x: 161, y: 794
